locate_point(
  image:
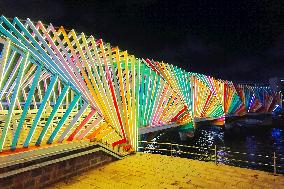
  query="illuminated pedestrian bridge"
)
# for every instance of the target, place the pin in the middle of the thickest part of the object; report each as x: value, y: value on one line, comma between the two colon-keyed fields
x: 59, y: 86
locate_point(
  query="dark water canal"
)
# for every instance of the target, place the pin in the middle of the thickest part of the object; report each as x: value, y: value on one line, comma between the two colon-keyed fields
x: 247, y: 146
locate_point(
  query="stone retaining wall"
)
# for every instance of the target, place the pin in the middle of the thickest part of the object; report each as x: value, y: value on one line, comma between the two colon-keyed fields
x: 46, y: 175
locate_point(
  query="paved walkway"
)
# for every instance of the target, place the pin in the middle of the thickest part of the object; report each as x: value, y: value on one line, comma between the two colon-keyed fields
x: 156, y: 171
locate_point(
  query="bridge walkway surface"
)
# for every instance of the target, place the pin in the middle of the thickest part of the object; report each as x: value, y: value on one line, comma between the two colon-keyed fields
x: 159, y: 171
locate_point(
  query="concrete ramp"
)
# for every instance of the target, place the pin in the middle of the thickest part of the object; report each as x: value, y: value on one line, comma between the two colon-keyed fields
x: 158, y: 171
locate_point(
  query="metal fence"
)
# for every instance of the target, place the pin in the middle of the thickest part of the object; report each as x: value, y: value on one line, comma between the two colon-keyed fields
x: 268, y: 162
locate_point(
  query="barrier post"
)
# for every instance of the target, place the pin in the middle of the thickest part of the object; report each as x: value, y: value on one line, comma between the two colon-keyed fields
x: 215, y: 154
x: 274, y: 163
x: 171, y: 149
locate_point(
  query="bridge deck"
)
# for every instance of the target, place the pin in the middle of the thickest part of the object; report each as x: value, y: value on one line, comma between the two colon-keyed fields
x: 157, y: 171
x: 144, y: 130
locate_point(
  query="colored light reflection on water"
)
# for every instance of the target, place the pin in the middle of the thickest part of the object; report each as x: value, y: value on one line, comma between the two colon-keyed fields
x: 277, y: 134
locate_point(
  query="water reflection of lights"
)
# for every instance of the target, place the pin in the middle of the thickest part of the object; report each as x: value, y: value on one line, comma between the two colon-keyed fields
x: 252, y: 147
x: 241, y: 149
x: 276, y: 134
x: 278, y: 140
x: 208, y: 138
x: 223, y: 156
x: 153, y: 145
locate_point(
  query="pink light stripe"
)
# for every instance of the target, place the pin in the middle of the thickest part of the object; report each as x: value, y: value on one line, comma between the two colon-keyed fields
x: 88, y: 129
x: 82, y: 124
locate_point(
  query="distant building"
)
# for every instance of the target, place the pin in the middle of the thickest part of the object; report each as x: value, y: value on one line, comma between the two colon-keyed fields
x: 277, y: 83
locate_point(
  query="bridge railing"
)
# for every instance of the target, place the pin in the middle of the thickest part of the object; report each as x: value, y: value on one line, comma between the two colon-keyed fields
x: 268, y: 162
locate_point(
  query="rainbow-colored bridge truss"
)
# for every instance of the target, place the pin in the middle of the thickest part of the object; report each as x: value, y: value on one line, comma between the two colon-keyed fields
x: 60, y: 86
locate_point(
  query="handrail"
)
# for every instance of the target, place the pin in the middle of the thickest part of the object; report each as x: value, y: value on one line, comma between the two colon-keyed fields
x: 214, y: 157
x: 174, y: 144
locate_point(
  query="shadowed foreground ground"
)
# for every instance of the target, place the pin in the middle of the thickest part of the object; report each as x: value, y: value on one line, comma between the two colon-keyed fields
x: 157, y: 171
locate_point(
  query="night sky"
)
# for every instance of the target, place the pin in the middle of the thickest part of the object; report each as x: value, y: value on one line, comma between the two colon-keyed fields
x: 234, y: 40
